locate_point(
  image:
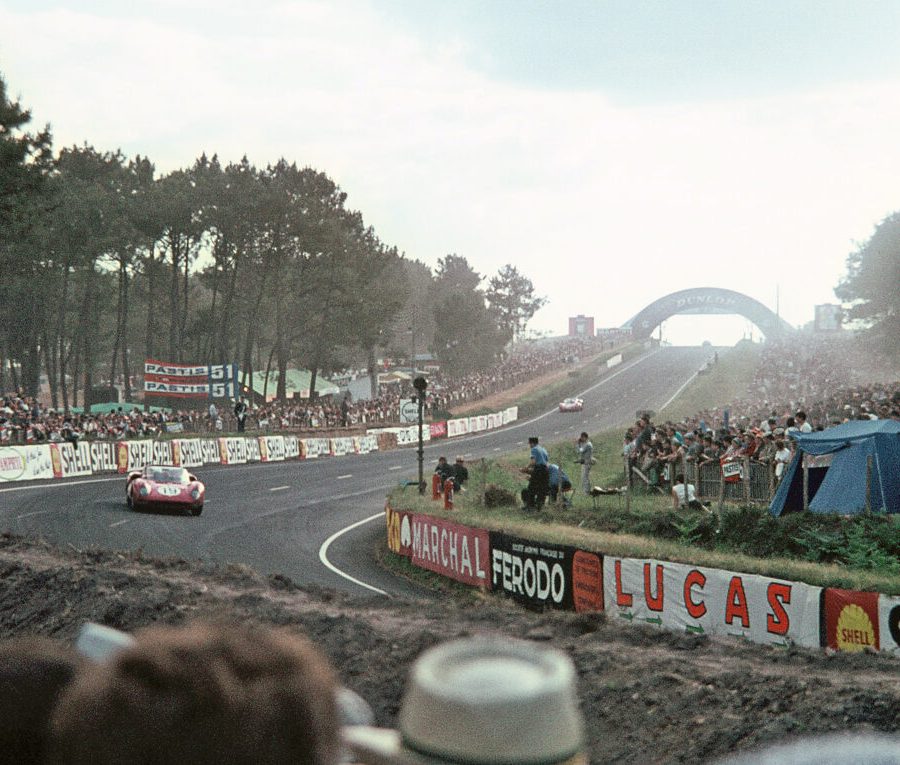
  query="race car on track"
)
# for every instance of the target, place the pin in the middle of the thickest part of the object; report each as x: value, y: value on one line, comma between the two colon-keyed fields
x: 571, y: 405
x: 158, y: 487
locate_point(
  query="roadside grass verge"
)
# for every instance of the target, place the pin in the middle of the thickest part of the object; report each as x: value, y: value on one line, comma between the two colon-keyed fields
x: 859, y: 552
x: 721, y: 382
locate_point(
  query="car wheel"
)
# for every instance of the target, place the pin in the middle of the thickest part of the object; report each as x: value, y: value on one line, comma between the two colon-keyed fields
x: 195, y: 511
x: 129, y: 502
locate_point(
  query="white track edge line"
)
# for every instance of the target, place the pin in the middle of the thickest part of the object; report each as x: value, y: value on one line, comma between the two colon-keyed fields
x: 323, y: 553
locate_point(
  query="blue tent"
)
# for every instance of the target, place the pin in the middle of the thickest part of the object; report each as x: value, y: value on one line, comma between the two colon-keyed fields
x: 839, y: 470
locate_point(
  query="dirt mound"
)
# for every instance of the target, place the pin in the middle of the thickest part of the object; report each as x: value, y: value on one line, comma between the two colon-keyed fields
x: 647, y: 696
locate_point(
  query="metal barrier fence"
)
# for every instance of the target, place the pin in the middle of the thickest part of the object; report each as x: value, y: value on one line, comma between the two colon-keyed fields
x: 756, y: 482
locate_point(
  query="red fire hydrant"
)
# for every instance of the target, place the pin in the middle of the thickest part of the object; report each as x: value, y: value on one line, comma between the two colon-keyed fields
x: 448, y: 494
x: 435, y: 486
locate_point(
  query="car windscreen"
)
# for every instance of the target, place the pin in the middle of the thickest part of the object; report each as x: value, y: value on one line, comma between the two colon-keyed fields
x: 168, y: 475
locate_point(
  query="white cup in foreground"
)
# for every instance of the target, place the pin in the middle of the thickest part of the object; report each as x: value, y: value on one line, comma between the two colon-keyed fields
x: 482, y: 700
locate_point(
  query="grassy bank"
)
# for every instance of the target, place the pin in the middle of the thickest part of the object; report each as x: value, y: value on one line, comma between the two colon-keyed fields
x: 861, y: 553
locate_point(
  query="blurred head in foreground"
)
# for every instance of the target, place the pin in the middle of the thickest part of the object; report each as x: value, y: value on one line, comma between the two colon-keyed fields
x: 200, y: 694
x: 33, y: 672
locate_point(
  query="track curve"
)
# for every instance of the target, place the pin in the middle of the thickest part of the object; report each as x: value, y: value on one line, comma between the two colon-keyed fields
x: 277, y: 517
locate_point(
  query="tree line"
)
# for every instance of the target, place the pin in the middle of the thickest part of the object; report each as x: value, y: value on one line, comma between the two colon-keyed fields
x: 104, y: 263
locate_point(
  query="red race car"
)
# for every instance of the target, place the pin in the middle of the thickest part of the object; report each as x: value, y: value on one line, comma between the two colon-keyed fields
x: 571, y: 405
x: 158, y: 487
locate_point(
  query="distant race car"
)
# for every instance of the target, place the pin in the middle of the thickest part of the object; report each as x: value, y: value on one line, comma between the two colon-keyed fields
x: 571, y: 405
x: 158, y: 487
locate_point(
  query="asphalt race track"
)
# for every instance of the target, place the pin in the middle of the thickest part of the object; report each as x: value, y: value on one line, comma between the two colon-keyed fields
x: 317, y: 521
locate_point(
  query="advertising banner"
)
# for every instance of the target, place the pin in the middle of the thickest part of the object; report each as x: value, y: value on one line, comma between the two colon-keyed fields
x: 314, y: 447
x: 271, y: 448
x: 399, y: 530
x: 889, y: 623
x: 365, y: 444
x: 134, y: 455
x: 851, y: 621
x: 70, y: 460
x: 452, y: 550
x: 535, y: 573
x: 458, y: 427
x: 191, y: 452
x: 703, y: 600
x: 409, y: 410
x: 341, y: 446
x: 291, y: 447
x: 732, y: 470
x: 103, y: 457
x: 25, y: 463
x: 438, y: 429
x: 210, y: 449
x: 407, y: 436
x: 587, y: 581
x: 233, y: 451
x: 190, y: 381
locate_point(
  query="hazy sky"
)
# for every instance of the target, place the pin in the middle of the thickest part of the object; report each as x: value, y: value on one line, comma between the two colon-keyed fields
x: 613, y: 151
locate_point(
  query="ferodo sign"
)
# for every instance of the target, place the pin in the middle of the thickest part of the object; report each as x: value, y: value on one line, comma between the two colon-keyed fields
x: 889, y: 623
x: 536, y: 573
x: 851, y: 620
x: 458, y: 552
x: 711, y: 601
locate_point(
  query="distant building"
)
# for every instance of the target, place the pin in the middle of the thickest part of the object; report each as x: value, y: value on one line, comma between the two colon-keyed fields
x: 829, y: 318
x: 581, y: 326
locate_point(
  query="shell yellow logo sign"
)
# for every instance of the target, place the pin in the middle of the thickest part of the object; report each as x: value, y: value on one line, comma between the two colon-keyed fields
x: 855, y: 631
x: 851, y: 620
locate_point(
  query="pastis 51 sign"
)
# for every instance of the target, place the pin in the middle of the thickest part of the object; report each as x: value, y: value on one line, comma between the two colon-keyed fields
x: 190, y: 381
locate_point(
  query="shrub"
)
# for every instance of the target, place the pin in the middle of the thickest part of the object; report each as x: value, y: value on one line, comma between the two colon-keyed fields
x: 496, y: 496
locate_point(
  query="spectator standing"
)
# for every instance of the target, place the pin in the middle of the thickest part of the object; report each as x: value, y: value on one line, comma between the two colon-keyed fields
x: 535, y: 494
x: 213, y: 413
x: 345, y: 410
x: 586, y: 460
x: 782, y: 458
x: 240, y: 413
x: 802, y: 425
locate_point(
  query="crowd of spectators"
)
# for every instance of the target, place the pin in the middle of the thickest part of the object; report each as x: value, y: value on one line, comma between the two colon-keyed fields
x: 803, y: 383
x: 24, y: 420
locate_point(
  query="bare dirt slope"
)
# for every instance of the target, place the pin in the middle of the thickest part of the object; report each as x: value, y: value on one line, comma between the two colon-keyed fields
x: 647, y: 696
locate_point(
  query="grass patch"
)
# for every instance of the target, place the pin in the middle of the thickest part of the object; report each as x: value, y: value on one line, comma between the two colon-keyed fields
x: 722, y: 382
x: 859, y: 552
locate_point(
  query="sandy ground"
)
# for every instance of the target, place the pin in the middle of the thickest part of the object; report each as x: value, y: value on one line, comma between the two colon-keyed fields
x: 647, y: 696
